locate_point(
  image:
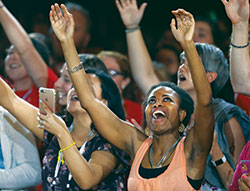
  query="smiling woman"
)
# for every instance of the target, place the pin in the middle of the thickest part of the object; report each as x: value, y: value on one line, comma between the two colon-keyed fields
x: 176, y: 156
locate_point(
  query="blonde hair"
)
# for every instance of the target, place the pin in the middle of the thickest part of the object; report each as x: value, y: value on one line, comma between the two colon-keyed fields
x: 121, y: 59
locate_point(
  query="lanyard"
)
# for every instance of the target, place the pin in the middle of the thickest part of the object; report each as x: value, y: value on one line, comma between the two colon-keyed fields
x: 27, y: 94
x: 58, y: 164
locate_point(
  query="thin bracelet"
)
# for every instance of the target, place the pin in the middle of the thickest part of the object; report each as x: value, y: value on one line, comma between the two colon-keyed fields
x: 2, y: 6
x: 129, y: 30
x: 235, y: 46
x: 64, y: 149
x: 75, y: 68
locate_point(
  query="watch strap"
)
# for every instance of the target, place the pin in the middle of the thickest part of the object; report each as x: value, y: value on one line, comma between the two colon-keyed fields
x: 219, y: 162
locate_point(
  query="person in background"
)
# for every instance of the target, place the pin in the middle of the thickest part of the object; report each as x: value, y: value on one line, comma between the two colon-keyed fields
x: 24, y: 66
x: 82, y: 34
x: 169, y: 56
x: 119, y: 69
x: 238, y: 12
x: 207, y: 31
x: 231, y: 123
x: 166, y: 108
x: 97, y: 165
x: 19, y: 160
x: 64, y: 84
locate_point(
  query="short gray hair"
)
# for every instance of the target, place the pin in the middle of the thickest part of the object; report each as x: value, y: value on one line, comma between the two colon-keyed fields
x: 213, y: 60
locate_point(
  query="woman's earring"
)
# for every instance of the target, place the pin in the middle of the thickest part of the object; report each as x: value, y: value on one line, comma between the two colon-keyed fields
x: 123, y: 87
x: 181, y: 128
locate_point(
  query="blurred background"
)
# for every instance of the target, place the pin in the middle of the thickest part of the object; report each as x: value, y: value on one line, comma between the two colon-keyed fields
x: 107, y: 28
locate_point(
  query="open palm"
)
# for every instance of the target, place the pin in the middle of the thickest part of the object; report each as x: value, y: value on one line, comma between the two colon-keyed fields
x: 184, y: 30
x: 237, y: 10
x: 130, y: 14
x: 62, y: 22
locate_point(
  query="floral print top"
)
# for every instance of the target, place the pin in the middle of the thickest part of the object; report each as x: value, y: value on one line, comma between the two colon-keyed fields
x: 116, y: 180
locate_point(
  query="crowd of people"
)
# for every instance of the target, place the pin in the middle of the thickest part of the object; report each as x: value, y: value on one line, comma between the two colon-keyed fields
x: 179, y: 121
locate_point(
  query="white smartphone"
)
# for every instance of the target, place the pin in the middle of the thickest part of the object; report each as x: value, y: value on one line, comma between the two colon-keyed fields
x: 48, y: 96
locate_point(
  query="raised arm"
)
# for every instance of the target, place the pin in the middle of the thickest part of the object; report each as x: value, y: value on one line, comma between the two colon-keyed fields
x: 238, y: 12
x: 139, y: 58
x: 20, y: 109
x: 201, y: 135
x: 105, y: 121
x: 18, y: 37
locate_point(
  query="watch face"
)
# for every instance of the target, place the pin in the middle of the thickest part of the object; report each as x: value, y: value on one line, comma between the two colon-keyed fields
x: 219, y: 162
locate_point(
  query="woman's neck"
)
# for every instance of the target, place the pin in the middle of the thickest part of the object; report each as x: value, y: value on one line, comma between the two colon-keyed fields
x: 163, y: 143
x: 161, y: 151
x: 23, y: 84
x: 81, y: 128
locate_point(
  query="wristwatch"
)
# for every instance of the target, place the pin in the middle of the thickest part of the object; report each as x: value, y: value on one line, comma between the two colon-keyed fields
x: 219, y: 162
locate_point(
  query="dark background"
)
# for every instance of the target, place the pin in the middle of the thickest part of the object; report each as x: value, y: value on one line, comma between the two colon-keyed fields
x: 107, y: 27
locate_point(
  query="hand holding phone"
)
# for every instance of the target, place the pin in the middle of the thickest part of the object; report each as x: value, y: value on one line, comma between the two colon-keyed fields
x: 48, y: 96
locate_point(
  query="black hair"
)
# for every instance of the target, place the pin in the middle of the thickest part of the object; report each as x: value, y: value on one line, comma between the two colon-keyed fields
x: 169, y: 47
x: 186, y: 102
x: 77, y: 7
x: 110, y: 92
x: 41, y: 48
x: 90, y: 61
x: 213, y: 23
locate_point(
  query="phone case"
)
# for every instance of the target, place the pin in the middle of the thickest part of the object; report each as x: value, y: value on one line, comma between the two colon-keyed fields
x: 48, y: 96
x: 245, y: 166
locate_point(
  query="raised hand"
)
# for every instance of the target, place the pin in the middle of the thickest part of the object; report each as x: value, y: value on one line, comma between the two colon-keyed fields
x: 237, y: 10
x: 184, y: 30
x: 51, y: 122
x: 130, y: 14
x: 62, y: 22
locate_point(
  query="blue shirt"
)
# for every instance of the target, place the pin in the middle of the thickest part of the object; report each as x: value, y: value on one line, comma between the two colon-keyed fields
x: 1, y: 158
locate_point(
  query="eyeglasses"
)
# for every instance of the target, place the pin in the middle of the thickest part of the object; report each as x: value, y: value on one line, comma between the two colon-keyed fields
x: 114, y: 73
x: 9, y: 51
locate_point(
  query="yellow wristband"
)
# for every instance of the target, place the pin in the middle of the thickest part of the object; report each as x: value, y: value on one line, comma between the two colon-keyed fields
x: 61, y: 150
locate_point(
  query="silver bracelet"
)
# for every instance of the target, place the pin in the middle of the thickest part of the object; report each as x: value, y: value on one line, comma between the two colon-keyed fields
x: 75, y: 68
x: 129, y: 30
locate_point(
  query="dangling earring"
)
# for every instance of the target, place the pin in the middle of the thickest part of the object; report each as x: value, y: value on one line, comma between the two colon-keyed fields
x: 181, y: 128
x: 123, y: 87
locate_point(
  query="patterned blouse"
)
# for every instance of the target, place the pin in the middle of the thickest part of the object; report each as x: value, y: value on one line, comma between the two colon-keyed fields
x: 116, y: 180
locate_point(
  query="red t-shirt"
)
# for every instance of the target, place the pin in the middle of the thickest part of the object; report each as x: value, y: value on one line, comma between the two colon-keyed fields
x: 243, y: 102
x: 32, y: 95
x: 133, y: 111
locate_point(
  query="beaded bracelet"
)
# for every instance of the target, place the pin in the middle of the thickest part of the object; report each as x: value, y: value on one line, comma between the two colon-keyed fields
x: 129, y: 30
x: 235, y: 46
